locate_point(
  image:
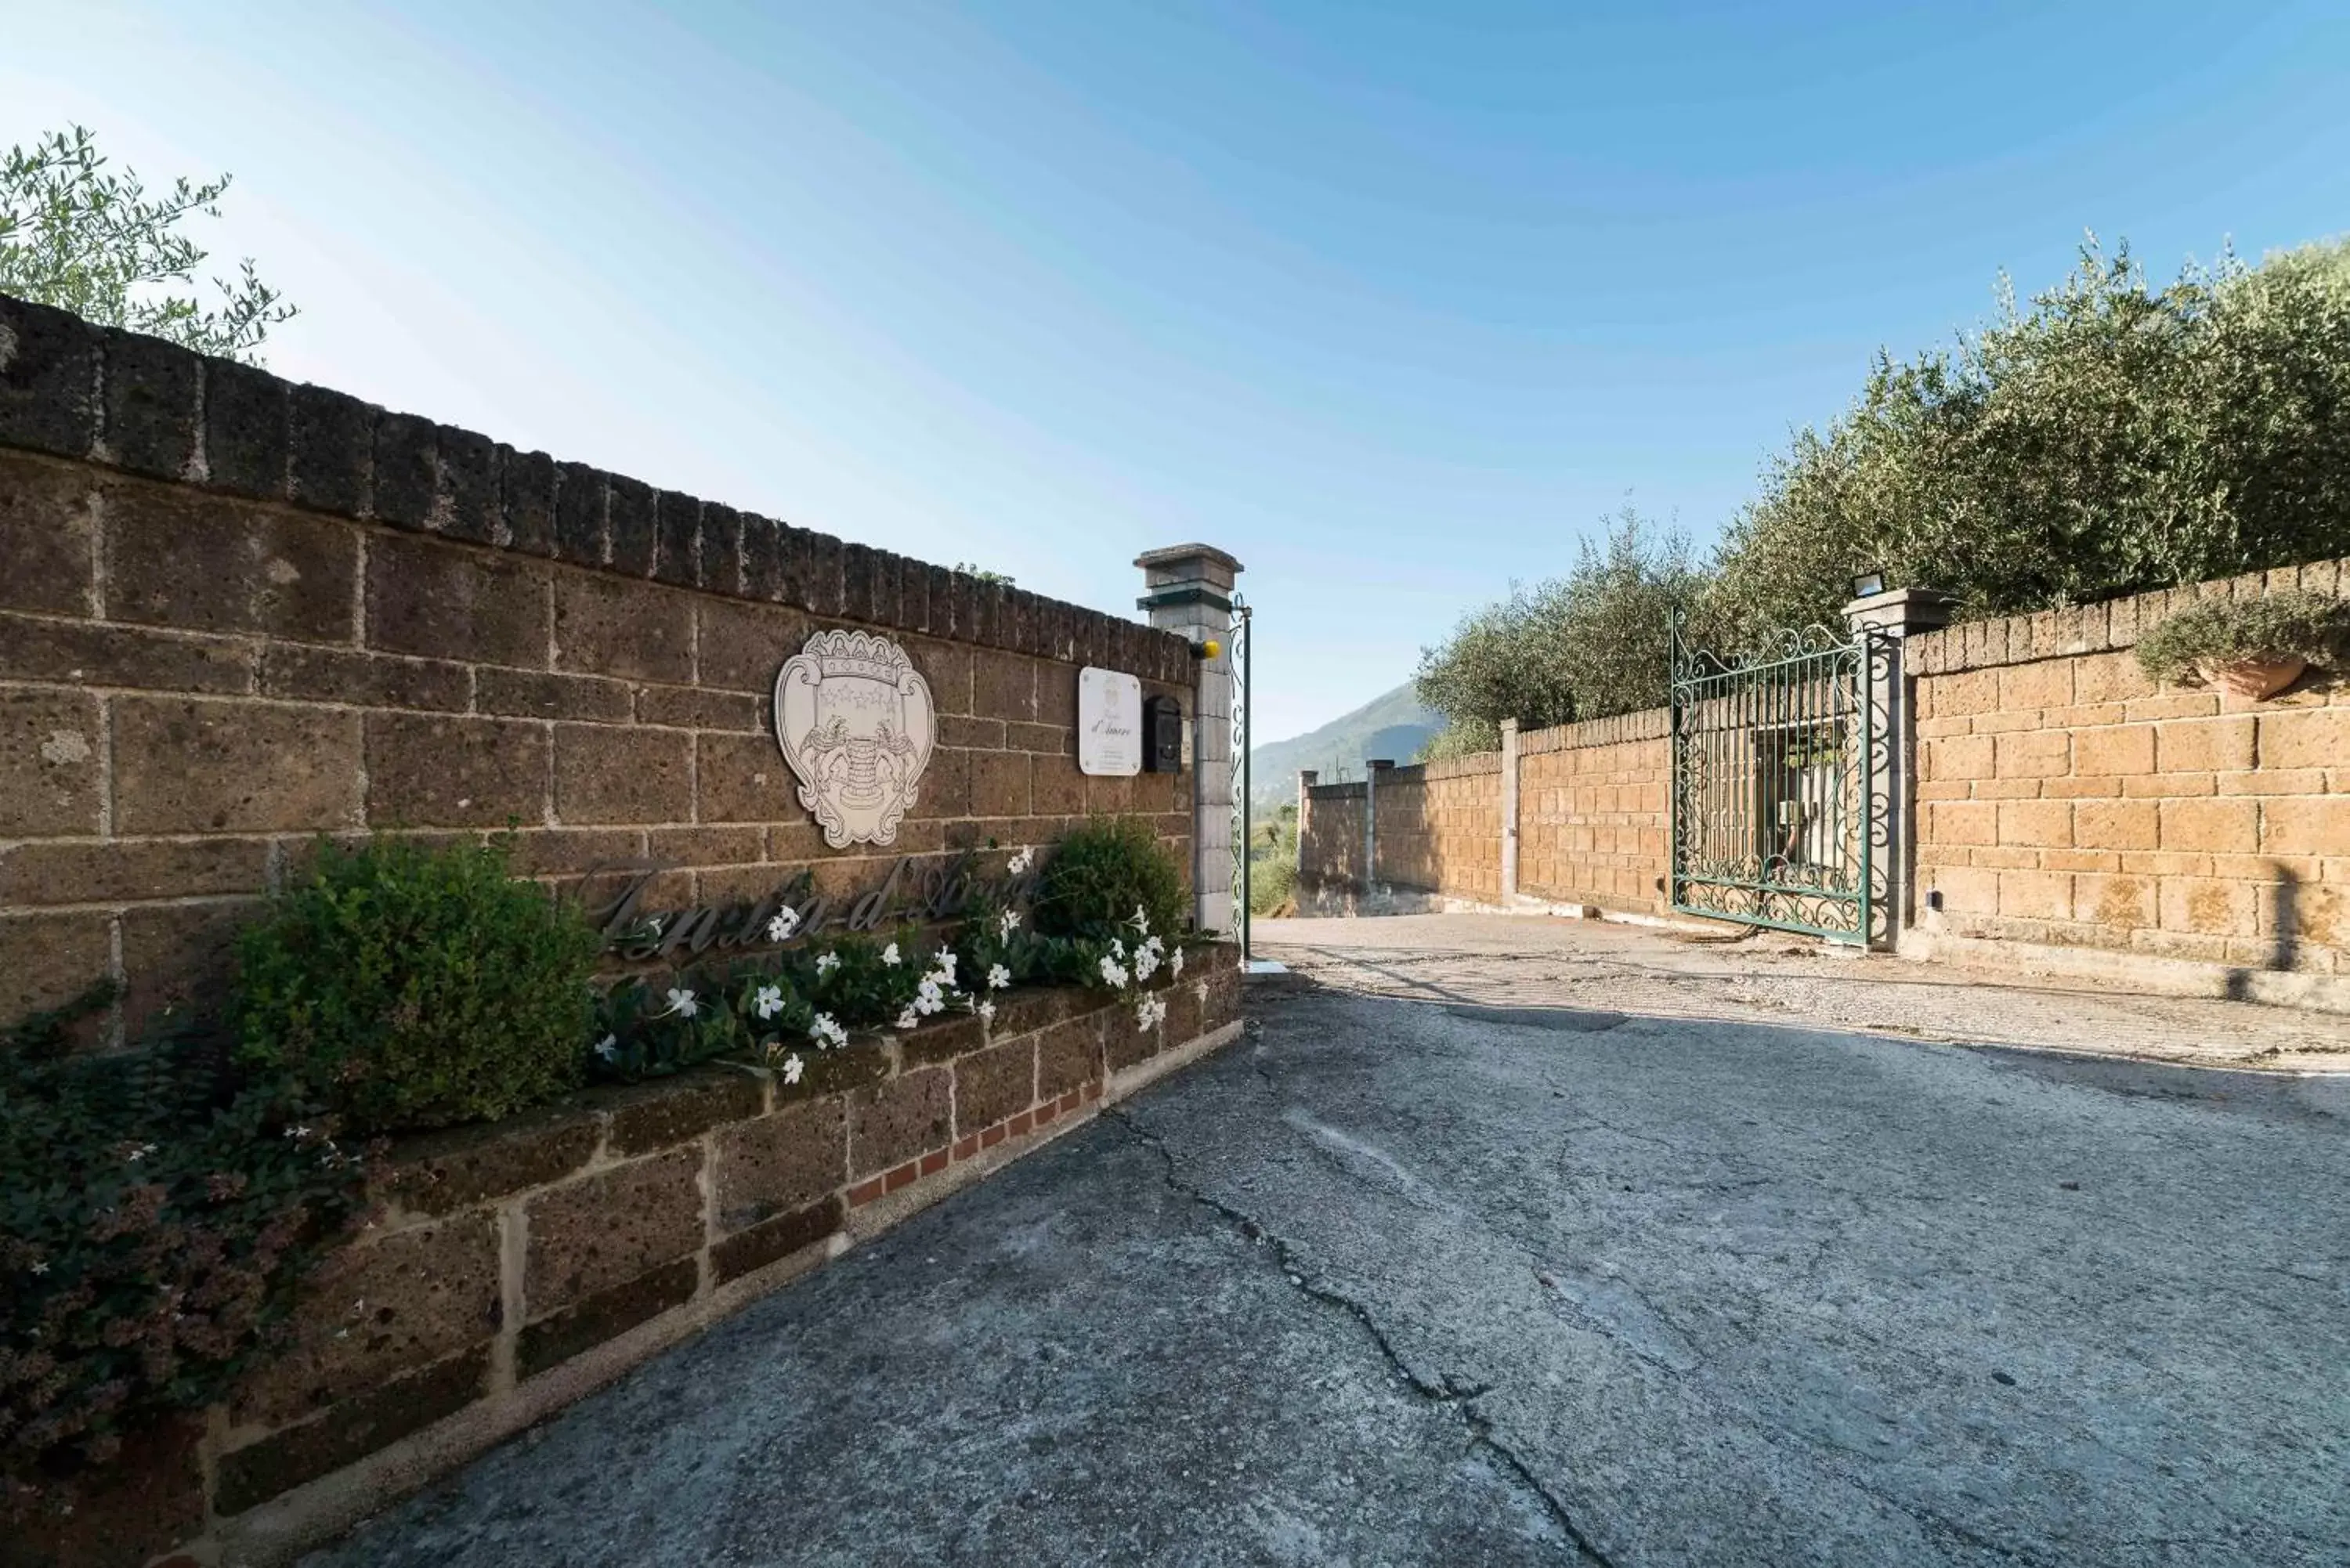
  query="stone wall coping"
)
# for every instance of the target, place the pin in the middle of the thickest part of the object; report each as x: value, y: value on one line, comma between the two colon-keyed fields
x: 1477, y: 765
x: 2107, y: 627
x: 1404, y: 775
x: 1645, y: 724
x: 72, y: 389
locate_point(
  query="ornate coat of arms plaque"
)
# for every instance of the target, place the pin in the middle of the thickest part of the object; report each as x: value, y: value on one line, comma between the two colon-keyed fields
x: 854, y: 718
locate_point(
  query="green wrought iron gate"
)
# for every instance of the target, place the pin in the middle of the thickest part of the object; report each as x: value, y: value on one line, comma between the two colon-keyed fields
x: 1779, y: 809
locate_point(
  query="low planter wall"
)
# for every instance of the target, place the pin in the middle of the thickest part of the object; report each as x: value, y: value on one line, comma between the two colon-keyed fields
x: 518, y: 1266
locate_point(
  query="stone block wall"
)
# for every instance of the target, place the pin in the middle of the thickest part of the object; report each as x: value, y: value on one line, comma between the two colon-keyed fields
x: 2064, y: 801
x: 237, y: 613
x: 1593, y: 803
x: 1330, y: 841
x: 519, y: 1265
x: 1440, y: 828
x: 1593, y: 811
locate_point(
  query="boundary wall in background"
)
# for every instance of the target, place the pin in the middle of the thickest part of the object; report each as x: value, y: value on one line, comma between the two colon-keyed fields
x: 2064, y: 815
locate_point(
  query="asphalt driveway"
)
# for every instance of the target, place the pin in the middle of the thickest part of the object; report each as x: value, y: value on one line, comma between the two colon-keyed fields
x: 1448, y: 1272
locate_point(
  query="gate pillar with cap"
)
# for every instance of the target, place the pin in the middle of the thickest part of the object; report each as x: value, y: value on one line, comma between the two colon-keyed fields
x: 1188, y: 590
x: 1884, y: 622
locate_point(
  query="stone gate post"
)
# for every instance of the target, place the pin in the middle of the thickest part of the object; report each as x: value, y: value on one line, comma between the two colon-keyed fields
x: 1509, y: 813
x: 1893, y: 618
x: 1306, y: 779
x: 1188, y: 590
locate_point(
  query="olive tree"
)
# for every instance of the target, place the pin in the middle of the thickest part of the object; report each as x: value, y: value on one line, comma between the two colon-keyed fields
x: 2111, y: 437
x: 77, y: 235
x: 1582, y: 646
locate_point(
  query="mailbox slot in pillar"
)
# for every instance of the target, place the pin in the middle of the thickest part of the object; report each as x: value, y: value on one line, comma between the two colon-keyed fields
x: 1162, y: 735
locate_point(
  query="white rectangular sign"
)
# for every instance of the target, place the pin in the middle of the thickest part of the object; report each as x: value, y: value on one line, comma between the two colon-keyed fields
x: 1109, y: 723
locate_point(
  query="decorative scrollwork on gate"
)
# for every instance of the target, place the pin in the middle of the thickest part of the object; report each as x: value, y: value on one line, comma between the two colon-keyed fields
x: 1778, y: 771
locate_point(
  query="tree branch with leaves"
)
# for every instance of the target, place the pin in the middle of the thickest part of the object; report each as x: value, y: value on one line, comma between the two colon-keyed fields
x: 76, y: 234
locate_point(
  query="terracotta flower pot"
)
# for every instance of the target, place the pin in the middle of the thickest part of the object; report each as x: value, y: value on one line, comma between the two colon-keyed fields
x: 2253, y: 678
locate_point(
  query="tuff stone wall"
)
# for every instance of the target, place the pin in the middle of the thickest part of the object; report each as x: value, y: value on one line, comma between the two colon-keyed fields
x: 2066, y: 814
x: 238, y: 612
x: 1592, y: 824
x: 1330, y: 841
x: 519, y: 1265
x: 2064, y: 800
x: 1440, y: 828
x: 1594, y: 805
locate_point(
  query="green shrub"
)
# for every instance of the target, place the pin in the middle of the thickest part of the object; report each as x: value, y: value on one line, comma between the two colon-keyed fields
x: 1102, y: 873
x: 1272, y: 884
x: 1272, y: 866
x: 158, y: 1209
x: 416, y: 988
x: 2301, y: 626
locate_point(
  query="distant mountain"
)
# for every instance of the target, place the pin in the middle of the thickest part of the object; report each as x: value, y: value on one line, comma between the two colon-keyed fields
x: 1394, y: 726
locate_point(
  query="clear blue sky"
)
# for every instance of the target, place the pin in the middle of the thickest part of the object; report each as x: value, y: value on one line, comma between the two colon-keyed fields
x: 1391, y: 301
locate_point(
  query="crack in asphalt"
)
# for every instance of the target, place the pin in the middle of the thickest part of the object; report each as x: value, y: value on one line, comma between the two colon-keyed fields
x: 1611, y: 1323
x: 1455, y: 1393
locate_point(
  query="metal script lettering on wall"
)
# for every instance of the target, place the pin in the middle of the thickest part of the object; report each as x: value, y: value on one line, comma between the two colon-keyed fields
x: 854, y: 718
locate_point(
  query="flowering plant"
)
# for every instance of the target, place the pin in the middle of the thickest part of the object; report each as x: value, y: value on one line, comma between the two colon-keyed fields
x: 789, y: 1007
x: 780, y: 1006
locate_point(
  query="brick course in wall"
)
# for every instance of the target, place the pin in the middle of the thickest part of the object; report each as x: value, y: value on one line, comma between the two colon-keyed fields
x: 239, y: 613
x: 2064, y: 800
x: 516, y: 1266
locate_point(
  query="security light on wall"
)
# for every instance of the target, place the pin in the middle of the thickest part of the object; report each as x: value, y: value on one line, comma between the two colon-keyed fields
x: 1868, y: 583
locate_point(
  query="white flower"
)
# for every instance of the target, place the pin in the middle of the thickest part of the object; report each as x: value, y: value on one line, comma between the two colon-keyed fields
x: 768, y: 1001
x: 792, y: 1067
x: 784, y: 925
x: 40, y: 1265
x: 909, y: 1019
x: 1142, y: 921
x: 1007, y: 923
x: 998, y: 977
x: 826, y: 963
x: 1146, y: 963
x: 890, y: 955
x: 1148, y: 1011
x: 683, y: 1002
x: 609, y: 1047
x: 1020, y: 863
x: 946, y: 962
x: 826, y: 1032
x: 1116, y: 947
x: 298, y: 1132
x: 987, y: 1012
x: 1175, y: 961
x: 1111, y: 973
x: 142, y: 1152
